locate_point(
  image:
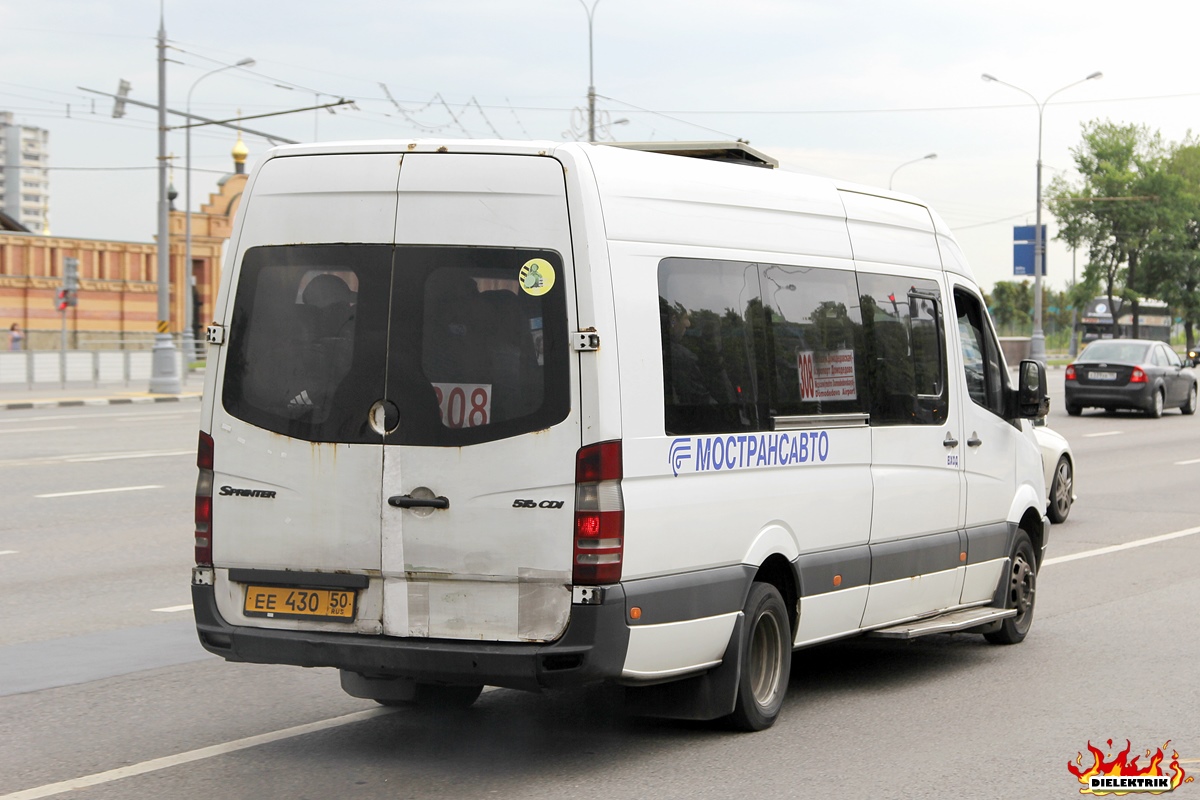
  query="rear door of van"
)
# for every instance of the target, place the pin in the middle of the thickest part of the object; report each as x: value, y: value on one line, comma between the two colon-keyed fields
x: 478, y: 479
x: 296, y: 496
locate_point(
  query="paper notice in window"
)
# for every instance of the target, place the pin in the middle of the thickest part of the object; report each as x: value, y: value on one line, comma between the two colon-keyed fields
x: 827, y: 376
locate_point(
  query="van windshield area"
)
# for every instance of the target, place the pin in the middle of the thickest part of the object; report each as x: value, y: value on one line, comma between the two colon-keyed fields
x: 458, y: 345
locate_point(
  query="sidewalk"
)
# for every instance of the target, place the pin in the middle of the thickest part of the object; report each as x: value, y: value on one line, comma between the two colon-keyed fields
x: 15, y: 397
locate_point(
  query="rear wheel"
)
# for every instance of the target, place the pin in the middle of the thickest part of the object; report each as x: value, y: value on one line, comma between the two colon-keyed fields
x: 766, y: 660
x: 1021, y: 586
x: 1156, y: 405
x: 1189, y: 407
x: 1074, y: 410
x: 1061, y: 491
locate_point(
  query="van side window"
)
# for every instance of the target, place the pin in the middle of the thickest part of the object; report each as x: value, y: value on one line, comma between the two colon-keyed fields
x: 711, y: 317
x: 982, y: 362
x: 906, y: 349
x: 744, y: 343
x: 817, y: 363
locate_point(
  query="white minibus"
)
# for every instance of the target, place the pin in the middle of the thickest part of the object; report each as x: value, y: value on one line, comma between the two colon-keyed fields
x: 538, y: 415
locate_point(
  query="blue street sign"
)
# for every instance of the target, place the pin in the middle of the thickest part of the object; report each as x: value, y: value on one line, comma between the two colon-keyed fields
x: 1023, y: 249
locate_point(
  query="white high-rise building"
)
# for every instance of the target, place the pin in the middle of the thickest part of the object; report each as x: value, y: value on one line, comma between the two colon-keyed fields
x: 24, y: 179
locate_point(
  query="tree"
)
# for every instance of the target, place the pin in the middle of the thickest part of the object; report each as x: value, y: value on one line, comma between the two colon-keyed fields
x: 1010, y: 303
x: 1174, y: 261
x: 1117, y: 208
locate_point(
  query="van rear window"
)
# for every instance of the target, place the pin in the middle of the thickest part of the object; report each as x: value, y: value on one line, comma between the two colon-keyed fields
x: 462, y: 345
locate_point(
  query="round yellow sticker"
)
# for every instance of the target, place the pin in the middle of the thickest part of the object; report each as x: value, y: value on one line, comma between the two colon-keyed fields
x: 537, y: 277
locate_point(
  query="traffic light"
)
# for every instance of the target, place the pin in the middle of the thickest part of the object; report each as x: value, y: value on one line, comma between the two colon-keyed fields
x: 66, y: 298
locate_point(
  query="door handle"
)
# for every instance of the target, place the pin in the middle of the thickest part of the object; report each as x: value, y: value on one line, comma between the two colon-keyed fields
x: 950, y: 441
x: 408, y: 501
x: 974, y: 441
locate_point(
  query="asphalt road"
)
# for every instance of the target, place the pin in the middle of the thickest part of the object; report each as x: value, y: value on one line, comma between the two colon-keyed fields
x: 104, y: 691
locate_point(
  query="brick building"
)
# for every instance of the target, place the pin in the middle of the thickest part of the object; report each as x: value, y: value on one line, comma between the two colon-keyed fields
x: 118, y: 281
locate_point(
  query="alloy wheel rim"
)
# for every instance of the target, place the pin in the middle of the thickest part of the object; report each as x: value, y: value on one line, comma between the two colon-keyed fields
x: 1062, y: 496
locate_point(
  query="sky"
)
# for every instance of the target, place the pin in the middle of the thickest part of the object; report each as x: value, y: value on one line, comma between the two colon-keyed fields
x: 845, y: 89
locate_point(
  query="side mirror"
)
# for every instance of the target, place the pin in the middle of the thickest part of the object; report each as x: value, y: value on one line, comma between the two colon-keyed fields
x: 1031, y: 399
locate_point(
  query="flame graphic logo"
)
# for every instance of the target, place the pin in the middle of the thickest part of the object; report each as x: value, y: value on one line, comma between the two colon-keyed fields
x: 1122, y: 766
x: 681, y: 452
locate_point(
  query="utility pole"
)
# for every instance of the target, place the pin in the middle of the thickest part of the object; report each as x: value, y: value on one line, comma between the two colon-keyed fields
x: 164, y: 364
x: 591, y: 12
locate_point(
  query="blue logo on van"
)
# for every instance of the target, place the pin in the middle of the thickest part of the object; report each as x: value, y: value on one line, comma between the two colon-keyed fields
x: 743, y: 451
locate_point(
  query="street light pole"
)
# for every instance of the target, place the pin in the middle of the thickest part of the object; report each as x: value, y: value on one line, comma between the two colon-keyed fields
x: 189, y: 339
x: 906, y: 163
x: 591, y: 79
x: 164, y: 361
x: 1037, y: 344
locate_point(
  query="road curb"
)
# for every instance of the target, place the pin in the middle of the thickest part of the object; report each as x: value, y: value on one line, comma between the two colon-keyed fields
x: 76, y: 402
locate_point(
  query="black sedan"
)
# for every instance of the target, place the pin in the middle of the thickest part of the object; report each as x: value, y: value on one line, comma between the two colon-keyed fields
x: 1130, y: 373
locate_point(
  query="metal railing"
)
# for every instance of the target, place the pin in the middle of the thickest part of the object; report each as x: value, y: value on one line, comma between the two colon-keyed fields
x: 58, y: 368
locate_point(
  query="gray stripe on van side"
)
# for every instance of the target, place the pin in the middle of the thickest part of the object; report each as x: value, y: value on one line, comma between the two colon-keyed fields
x: 817, y: 570
x: 692, y: 595
x: 892, y: 561
x: 989, y: 542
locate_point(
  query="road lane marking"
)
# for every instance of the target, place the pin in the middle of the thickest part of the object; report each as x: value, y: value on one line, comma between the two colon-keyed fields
x: 80, y: 458
x: 1116, y: 548
x: 42, y: 430
x: 100, y: 491
x: 141, y: 415
x: 1102, y: 433
x: 166, y: 762
x: 8, y: 552
x: 173, y: 609
x: 119, y: 456
x: 1189, y: 461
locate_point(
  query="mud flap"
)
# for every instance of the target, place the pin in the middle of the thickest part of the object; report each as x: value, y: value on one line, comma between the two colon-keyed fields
x: 704, y: 697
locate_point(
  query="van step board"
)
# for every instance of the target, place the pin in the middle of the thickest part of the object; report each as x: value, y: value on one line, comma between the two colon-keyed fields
x: 944, y: 623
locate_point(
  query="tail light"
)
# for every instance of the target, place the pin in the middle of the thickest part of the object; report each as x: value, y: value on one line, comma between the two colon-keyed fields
x: 204, y: 491
x: 599, y: 515
x: 1070, y: 372
x: 1137, y: 376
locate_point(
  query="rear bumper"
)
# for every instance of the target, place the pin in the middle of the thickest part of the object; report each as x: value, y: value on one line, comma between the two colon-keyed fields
x: 1134, y: 395
x: 592, y: 649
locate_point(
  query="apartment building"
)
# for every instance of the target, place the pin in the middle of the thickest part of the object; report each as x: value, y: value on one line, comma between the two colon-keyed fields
x: 24, y: 179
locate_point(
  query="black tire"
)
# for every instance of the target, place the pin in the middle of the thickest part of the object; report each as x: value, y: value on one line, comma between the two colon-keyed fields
x: 1061, y: 491
x: 1073, y: 410
x: 1020, y: 591
x: 766, y: 660
x: 1189, y: 406
x: 438, y: 697
x: 1156, y: 405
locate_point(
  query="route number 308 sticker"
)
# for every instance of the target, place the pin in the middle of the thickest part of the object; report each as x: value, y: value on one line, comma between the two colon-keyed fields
x: 536, y: 504
x: 952, y: 461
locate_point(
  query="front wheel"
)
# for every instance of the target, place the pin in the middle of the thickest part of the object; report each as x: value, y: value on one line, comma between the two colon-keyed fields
x: 1189, y: 407
x: 1021, y: 586
x: 766, y: 660
x: 1061, y: 491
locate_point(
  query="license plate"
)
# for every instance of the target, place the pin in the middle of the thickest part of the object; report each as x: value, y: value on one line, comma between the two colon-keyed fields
x: 1102, y: 376
x: 285, y: 602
